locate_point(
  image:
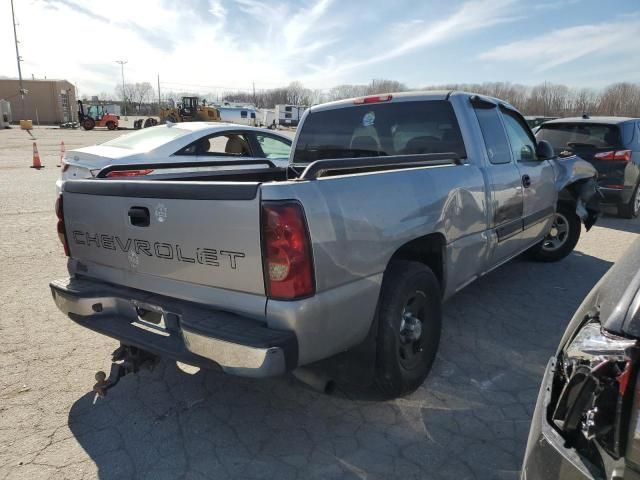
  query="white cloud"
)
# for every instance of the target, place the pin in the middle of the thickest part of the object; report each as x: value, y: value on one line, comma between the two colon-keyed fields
x: 407, y: 37
x: 203, y: 44
x: 560, y: 47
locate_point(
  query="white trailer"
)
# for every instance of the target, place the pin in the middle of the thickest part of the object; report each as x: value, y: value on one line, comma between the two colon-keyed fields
x: 289, y: 115
x: 268, y: 118
x: 241, y: 115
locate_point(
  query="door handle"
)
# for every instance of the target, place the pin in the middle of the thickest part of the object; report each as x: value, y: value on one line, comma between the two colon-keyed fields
x: 139, y: 216
x: 526, y: 181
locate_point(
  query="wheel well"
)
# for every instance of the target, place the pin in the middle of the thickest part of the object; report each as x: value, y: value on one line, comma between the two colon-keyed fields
x: 428, y: 250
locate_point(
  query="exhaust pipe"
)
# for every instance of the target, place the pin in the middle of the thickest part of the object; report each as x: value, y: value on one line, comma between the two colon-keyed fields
x: 319, y: 381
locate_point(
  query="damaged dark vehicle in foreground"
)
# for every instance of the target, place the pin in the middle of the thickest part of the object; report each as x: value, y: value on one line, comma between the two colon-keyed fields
x: 585, y: 425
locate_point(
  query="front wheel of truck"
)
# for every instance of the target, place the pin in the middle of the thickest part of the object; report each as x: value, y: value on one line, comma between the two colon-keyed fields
x: 409, y: 324
x: 561, y: 238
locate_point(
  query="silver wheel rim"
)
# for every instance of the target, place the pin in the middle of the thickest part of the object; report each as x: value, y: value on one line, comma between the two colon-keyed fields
x: 558, y: 234
x: 636, y: 202
x: 410, y: 334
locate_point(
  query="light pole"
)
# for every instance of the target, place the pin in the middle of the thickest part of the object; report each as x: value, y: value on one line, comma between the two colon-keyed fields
x: 18, y: 58
x: 124, y: 96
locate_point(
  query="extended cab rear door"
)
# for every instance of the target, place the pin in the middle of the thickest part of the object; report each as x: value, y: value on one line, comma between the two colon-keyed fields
x: 507, y: 205
x: 537, y: 177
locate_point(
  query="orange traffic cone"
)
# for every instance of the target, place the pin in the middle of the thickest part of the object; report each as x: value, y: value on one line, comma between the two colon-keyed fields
x: 36, y: 158
x: 61, y: 153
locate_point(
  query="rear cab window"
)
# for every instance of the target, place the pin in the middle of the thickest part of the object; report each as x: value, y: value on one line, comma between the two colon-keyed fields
x: 147, y: 139
x: 569, y: 138
x: 396, y: 128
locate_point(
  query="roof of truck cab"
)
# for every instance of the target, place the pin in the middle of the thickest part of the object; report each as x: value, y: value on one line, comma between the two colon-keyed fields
x: 425, y: 95
x: 602, y: 120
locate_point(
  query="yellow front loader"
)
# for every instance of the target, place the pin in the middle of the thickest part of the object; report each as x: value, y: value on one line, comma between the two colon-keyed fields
x: 189, y: 110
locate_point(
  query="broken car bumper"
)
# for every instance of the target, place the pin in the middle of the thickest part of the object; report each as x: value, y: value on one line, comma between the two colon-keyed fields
x: 180, y: 330
x: 546, y: 457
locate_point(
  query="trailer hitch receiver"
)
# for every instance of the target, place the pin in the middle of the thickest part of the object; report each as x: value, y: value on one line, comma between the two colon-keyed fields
x: 125, y: 360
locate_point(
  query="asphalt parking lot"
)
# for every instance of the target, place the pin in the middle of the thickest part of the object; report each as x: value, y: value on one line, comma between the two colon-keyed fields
x: 469, y: 420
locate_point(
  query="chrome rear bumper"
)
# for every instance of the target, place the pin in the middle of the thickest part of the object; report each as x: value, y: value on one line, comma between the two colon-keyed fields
x: 176, y: 329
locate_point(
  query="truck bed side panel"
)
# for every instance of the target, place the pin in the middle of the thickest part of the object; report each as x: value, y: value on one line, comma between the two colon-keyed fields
x: 358, y: 221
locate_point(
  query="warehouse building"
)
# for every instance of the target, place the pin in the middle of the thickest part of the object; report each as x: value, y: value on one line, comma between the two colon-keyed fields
x: 47, y: 102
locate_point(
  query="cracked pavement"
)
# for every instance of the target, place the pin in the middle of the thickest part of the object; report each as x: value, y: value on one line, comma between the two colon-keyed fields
x: 468, y: 421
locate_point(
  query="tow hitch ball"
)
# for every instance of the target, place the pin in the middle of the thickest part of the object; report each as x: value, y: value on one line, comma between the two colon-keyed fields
x: 125, y: 359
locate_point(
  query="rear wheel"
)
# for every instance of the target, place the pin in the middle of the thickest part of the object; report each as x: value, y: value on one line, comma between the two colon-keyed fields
x: 409, y: 324
x: 632, y: 207
x: 561, y: 238
x: 88, y: 123
x: 111, y: 125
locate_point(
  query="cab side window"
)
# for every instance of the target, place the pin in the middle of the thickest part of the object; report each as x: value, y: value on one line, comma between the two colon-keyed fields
x: 523, y: 146
x: 495, y: 139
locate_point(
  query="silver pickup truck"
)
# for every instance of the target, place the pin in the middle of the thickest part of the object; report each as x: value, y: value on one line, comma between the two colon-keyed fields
x: 390, y: 205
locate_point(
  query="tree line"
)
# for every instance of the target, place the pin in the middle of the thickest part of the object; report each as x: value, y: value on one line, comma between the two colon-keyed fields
x: 545, y: 99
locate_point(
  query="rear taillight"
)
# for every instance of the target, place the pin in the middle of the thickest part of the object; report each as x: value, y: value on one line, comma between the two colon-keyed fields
x: 372, y: 99
x: 616, y: 155
x: 62, y: 232
x: 287, y: 258
x: 128, y: 173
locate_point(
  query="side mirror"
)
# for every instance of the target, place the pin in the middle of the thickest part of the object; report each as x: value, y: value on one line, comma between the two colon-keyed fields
x: 544, y: 150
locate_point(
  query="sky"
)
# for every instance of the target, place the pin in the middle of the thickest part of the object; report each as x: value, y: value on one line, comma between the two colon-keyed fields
x: 211, y: 45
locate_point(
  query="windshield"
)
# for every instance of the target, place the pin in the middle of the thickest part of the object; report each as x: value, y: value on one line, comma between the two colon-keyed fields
x: 148, y: 138
x: 574, y: 137
x: 399, y: 128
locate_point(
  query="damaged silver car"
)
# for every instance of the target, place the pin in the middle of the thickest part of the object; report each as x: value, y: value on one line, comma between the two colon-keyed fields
x: 586, y: 423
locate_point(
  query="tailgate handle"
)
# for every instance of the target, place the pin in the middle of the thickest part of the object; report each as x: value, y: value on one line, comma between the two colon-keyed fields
x: 139, y: 216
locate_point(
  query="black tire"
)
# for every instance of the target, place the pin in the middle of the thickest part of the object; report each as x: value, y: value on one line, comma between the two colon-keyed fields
x: 632, y: 207
x: 111, y: 125
x: 88, y: 123
x: 403, y: 362
x: 558, y: 244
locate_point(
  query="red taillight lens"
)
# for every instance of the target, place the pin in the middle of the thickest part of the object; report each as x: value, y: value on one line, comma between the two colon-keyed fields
x: 128, y: 173
x: 287, y: 251
x: 624, y: 155
x: 372, y: 99
x: 618, y: 155
x: 62, y: 232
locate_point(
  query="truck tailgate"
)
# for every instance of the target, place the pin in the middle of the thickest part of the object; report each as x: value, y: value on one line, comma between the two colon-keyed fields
x: 201, y: 233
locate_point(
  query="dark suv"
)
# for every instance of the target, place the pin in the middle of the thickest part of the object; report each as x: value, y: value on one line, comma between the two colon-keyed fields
x: 612, y: 145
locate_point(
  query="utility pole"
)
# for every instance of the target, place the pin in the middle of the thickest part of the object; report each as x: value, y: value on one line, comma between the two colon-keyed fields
x: 124, y: 96
x: 159, y: 101
x: 254, y: 94
x: 18, y: 58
